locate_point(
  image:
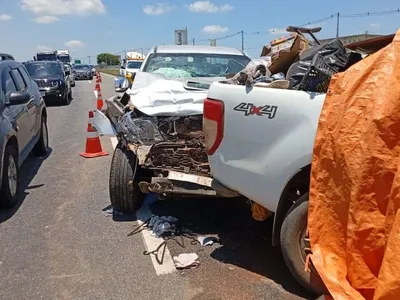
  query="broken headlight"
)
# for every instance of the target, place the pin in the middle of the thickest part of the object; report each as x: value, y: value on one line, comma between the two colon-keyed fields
x: 140, y: 130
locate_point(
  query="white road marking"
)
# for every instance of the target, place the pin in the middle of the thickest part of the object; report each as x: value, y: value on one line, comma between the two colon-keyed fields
x: 89, y: 81
x: 151, y: 242
x: 95, y: 94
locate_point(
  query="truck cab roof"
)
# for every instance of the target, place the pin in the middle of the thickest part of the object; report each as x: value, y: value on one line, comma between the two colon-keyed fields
x: 5, y: 56
x: 195, y: 49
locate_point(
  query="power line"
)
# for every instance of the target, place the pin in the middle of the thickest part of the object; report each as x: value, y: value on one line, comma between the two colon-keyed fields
x: 370, y: 14
x: 335, y: 15
x: 243, y: 33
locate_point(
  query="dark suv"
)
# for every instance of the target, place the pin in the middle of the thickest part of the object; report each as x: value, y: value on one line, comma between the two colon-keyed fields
x: 53, y: 81
x: 23, y: 124
x: 83, y: 72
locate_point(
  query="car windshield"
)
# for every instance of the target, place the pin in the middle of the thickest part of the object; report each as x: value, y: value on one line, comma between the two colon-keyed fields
x: 82, y: 67
x: 64, y: 58
x: 183, y: 65
x: 134, y: 65
x: 44, y: 69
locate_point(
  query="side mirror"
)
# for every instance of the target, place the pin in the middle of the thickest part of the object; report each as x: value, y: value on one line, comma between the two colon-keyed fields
x: 122, y: 67
x: 121, y: 84
x: 67, y: 73
x: 18, y: 98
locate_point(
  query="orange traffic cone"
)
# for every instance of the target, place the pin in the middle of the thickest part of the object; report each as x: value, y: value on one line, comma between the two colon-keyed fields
x: 100, y: 102
x: 93, y: 144
x: 99, y: 76
x: 97, y: 87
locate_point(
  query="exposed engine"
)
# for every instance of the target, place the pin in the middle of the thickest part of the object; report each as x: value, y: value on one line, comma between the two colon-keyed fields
x: 176, y: 142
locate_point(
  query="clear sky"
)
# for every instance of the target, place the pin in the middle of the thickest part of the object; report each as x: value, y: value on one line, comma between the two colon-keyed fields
x: 89, y: 27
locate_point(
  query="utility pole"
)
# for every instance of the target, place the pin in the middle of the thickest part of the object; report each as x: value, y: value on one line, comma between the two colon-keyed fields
x: 242, y: 32
x: 337, y: 25
x: 89, y: 59
x: 193, y: 41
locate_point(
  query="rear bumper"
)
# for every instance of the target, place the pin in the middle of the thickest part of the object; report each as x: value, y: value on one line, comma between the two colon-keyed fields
x: 223, y: 190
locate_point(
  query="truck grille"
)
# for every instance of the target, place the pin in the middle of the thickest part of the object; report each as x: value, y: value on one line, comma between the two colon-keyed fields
x: 42, y: 83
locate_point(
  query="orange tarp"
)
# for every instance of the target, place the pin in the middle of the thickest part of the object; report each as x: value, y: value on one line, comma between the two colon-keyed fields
x: 354, y: 219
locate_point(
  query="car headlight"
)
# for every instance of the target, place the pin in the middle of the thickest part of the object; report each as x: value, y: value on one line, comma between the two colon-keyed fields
x: 54, y: 83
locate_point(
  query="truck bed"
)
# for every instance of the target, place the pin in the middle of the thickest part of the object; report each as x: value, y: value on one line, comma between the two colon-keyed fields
x: 268, y: 136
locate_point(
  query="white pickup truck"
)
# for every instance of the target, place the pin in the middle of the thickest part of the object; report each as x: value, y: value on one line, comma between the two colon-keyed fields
x: 260, y: 143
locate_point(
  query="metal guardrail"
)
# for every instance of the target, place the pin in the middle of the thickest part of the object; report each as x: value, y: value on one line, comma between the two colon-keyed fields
x: 116, y: 67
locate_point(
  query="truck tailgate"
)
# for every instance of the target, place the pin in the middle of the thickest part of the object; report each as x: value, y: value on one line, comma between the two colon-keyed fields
x: 267, y: 134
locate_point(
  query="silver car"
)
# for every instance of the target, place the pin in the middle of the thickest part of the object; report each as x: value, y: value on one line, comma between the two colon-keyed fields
x: 69, y: 69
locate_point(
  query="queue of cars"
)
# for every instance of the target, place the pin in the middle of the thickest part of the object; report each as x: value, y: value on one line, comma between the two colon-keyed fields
x: 23, y: 124
x: 25, y: 88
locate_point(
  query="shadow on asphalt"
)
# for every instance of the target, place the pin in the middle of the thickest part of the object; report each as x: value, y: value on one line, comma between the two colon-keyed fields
x: 27, y: 172
x: 244, y: 242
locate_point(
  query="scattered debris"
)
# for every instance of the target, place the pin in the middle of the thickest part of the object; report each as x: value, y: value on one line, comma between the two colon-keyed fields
x: 161, y: 225
x: 186, y: 261
x: 112, y: 212
x: 206, y: 241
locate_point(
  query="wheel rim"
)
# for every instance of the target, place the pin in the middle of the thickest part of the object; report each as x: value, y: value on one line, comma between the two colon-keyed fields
x: 12, y: 175
x: 305, y: 249
x: 45, y: 135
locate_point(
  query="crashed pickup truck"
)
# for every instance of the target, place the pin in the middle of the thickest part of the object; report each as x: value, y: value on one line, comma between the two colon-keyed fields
x: 260, y: 144
x: 157, y: 120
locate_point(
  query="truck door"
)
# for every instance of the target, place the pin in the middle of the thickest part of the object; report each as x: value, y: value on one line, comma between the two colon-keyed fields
x: 16, y: 114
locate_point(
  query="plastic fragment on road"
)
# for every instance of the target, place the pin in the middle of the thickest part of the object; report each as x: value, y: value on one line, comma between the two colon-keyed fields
x: 186, y: 261
x: 110, y: 212
x: 206, y: 240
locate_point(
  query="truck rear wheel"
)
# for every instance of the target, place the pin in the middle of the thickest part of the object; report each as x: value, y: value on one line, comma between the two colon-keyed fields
x: 125, y: 194
x: 295, y: 245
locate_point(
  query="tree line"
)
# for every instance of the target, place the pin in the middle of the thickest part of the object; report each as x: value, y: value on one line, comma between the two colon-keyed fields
x: 108, y: 59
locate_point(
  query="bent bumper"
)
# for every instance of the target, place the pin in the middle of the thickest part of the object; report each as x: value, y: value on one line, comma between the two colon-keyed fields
x: 103, y: 124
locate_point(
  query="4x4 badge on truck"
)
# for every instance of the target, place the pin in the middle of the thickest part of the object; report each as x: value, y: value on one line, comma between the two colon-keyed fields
x: 249, y: 109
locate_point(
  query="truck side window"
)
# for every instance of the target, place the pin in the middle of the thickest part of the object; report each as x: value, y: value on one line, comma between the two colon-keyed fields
x: 25, y: 75
x: 20, y: 83
x: 9, y: 84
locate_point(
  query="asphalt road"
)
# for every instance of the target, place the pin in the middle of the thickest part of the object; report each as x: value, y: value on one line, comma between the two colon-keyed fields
x: 58, y: 243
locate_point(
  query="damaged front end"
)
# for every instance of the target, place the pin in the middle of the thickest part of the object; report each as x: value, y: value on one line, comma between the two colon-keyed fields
x: 173, y: 143
x: 171, y: 147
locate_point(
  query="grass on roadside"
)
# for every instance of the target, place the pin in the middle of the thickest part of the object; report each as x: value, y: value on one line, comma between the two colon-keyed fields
x: 110, y: 71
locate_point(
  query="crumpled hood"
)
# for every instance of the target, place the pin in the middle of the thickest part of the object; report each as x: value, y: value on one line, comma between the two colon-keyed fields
x: 156, y: 95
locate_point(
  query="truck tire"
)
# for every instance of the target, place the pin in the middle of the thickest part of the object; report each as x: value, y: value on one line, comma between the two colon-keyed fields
x: 125, y: 195
x: 65, y: 99
x: 292, y: 244
x: 8, y: 190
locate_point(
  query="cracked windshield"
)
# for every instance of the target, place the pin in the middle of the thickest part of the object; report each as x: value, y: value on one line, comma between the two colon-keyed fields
x: 190, y: 150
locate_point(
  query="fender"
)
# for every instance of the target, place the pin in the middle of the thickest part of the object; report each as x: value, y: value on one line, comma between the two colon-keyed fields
x: 301, y: 182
